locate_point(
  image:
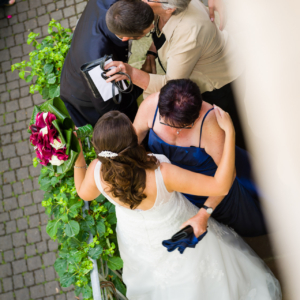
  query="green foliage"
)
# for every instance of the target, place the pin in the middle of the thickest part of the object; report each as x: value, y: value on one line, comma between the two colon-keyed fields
x: 71, y: 227
x: 46, y: 60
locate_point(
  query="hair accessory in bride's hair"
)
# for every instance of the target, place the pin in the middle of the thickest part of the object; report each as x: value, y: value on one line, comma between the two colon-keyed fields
x: 107, y: 154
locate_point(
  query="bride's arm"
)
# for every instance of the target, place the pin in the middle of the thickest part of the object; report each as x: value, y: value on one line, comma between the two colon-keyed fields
x: 177, y: 179
x: 84, y: 179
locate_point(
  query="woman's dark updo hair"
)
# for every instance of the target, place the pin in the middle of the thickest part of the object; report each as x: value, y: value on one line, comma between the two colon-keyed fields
x: 180, y: 102
x: 124, y: 173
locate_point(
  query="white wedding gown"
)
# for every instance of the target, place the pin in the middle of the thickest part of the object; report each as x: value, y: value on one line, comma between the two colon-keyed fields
x: 221, y: 267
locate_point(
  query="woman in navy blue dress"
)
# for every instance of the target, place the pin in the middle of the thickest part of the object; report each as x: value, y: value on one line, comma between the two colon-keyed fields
x: 182, y: 127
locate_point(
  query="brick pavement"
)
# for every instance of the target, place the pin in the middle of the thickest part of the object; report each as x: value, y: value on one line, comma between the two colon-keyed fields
x: 27, y: 254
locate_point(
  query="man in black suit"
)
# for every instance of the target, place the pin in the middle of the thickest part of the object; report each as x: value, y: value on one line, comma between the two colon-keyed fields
x: 93, y: 40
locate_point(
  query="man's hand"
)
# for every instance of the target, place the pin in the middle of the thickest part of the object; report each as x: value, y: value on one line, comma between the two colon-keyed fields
x: 149, y: 65
x: 198, y: 222
x: 119, y: 67
x: 217, y: 5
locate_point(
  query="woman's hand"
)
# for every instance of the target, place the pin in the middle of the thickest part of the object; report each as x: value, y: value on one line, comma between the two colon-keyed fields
x: 198, y: 222
x: 119, y: 67
x: 149, y: 65
x: 217, y: 5
x: 224, y: 120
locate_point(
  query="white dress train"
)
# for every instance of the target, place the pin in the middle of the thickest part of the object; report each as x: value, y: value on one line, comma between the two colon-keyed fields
x: 221, y: 267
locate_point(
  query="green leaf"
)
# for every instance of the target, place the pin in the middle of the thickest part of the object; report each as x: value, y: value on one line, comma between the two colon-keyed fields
x: 54, y: 91
x: 54, y: 181
x: 51, y: 78
x: 84, y: 131
x: 73, y: 212
x: 45, y: 183
x: 119, y: 285
x: 64, y: 218
x: 48, y: 68
x: 21, y: 74
x: 115, y: 263
x: 45, y: 93
x: 72, y: 228
x: 100, y: 228
x: 60, y: 266
x: 100, y: 198
x: 87, y: 292
x: 28, y: 78
x: 111, y: 219
x: 95, y: 252
x: 52, y: 227
x: 75, y: 256
x: 36, y: 110
x: 67, y: 279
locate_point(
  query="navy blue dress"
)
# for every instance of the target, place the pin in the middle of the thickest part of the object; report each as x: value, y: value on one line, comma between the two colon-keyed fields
x: 240, y: 209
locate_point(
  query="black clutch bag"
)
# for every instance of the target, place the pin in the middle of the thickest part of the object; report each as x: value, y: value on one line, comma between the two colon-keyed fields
x: 87, y: 67
x: 182, y: 234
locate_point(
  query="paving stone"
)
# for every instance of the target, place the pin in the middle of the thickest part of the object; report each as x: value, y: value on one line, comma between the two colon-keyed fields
x: 49, y: 259
x: 6, y: 243
x: 25, y: 200
x: 2, y: 87
x: 30, y: 24
x: 24, y: 91
x: 43, y: 20
x: 61, y: 297
x: 71, y: 296
x: 57, y: 15
x: 30, y: 250
x: 80, y: 7
x: 6, y: 129
x: 65, y: 23
x: 7, y: 296
x: 33, y: 235
x: 22, y: 224
x: 39, y: 276
x: 8, y: 151
x: 50, y: 7
x: 4, y: 217
x: 25, y: 102
x: 12, y: 106
x: 34, y: 221
x: 19, y: 252
x: 50, y: 273
x: 52, y: 245
x: 22, y: 294
x: 9, y: 177
x: 19, y: 266
x: 10, y: 204
x: 13, y: 84
x: 18, y: 281
x: 10, y: 118
x: 18, y: 213
x: 41, y: 247
x: 20, y: 126
x: 20, y: 115
x: 25, y: 134
x: 11, y: 227
x: 7, y: 284
x: 2, y: 44
x: 11, y: 76
x: 16, y: 137
x: 22, y: 17
x: 60, y: 4
x: 46, y: 1
x: 37, y: 99
x: 19, y: 239
x: 41, y: 208
x: 22, y: 173
x: 26, y: 50
x: 36, y: 185
x: 52, y: 288
x: 34, y: 263
x: 38, y: 196
x: 29, y: 279
x: 4, y: 97
x: 69, y: 11
x: 26, y: 160
x: 41, y: 10
x: 2, y: 232
x: 3, y: 23
x: 10, y: 41
x: 31, y: 13
x: 27, y: 185
x: 9, y: 256
x: 37, y: 291
x: 2, y: 78
x: 4, y: 165
x: 35, y: 171
x: 45, y: 235
x: 5, y: 66
x: 7, y: 191
x: 30, y: 210
x: 15, y: 163
x: 34, y: 3
x: 22, y: 6
x: 4, y: 54
x: 18, y: 28
x: 22, y: 148
x: 49, y: 298
x: 5, y: 270
x: 14, y: 94
x: 16, y: 51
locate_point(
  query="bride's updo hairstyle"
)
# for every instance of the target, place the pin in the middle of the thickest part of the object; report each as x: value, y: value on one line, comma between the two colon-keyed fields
x: 124, y: 173
x: 180, y: 102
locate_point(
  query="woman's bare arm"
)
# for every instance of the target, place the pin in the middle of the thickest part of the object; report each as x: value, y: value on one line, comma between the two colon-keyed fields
x: 144, y: 117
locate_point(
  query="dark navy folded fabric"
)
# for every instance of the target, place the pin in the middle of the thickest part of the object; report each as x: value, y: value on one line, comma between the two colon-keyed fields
x: 190, y: 241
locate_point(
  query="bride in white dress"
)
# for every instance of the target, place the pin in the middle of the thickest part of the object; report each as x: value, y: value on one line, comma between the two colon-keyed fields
x: 149, y: 210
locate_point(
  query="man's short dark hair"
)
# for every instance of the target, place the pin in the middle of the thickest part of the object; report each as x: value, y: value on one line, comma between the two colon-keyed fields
x: 129, y: 18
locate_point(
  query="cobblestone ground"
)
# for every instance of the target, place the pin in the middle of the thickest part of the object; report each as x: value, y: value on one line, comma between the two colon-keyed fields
x: 27, y: 254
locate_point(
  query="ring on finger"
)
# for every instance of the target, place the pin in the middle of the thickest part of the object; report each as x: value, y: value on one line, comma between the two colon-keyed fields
x: 120, y: 68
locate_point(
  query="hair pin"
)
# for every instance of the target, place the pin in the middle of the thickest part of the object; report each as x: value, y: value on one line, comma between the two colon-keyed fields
x: 107, y: 154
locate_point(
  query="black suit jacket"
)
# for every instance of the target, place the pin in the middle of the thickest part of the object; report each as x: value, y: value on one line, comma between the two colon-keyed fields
x: 91, y: 40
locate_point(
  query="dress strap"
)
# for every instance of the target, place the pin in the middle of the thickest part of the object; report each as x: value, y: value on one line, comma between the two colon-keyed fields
x: 202, y: 125
x: 154, y: 116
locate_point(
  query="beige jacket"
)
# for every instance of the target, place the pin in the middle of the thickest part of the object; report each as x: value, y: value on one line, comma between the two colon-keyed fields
x: 195, y: 48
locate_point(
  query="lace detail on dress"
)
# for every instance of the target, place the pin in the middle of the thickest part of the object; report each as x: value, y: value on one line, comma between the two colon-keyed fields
x: 209, y: 268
